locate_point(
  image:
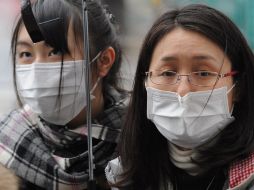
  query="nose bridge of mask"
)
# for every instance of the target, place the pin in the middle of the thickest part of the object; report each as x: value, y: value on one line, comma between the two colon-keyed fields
x: 180, y: 99
x: 161, y: 102
x: 195, y: 104
x: 47, y: 75
x: 46, y: 72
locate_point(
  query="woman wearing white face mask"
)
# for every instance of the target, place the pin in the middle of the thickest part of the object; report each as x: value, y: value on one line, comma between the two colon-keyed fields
x: 190, y: 122
x: 44, y: 142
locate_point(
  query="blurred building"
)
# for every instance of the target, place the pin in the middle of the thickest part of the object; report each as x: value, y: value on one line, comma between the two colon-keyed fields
x: 8, y: 11
x: 117, y: 7
x: 240, y: 11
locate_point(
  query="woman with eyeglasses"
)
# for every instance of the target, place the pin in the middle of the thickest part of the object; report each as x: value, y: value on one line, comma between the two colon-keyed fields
x: 190, y: 123
x: 44, y: 142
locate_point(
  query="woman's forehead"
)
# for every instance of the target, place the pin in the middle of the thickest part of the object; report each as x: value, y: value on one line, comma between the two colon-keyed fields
x: 188, y: 43
x: 181, y: 45
x: 185, y: 41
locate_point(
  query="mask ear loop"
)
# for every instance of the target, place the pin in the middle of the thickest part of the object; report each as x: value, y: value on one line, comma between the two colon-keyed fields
x: 232, y: 109
x: 233, y: 105
x: 95, y: 58
x: 95, y: 85
x: 231, y: 88
x: 99, y: 78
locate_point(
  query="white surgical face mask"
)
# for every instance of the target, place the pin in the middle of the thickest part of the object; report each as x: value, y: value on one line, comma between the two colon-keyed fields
x: 189, y: 121
x: 38, y: 86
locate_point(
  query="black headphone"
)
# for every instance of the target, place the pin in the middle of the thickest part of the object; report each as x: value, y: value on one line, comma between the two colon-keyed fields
x: 30, y: 22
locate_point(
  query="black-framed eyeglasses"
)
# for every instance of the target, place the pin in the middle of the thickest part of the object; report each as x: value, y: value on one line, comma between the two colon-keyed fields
x: 198, y: 78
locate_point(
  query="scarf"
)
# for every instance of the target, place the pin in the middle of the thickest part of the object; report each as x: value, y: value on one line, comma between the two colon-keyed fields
x: 183, y: 159
x: 56, y: 158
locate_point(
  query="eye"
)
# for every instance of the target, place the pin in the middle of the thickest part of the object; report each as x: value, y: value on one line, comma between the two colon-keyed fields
x: 24, y: 57
x: 167, y: 73
x: 55, y: 52
x: 24, y: 54
x: 205, y: 74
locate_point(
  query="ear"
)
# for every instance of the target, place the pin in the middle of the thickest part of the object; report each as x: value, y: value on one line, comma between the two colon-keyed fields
x: 105, y: 61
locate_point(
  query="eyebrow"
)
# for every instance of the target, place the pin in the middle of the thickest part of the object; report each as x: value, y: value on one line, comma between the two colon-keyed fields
x: 169, y: 58
x: 28, y: 44
x: 196, y: 57
x: 23, y: 43
x: 204, y: 57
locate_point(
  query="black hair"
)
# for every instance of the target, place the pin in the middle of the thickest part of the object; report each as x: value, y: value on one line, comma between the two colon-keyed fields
x: 144, y: 152
x: 54, y: 18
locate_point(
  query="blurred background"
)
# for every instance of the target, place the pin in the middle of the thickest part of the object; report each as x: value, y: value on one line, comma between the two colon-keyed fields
x: 134, y: 18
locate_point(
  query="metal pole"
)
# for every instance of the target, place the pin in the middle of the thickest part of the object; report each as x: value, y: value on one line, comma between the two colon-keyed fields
x: 36, y: 36
x: 91, y: 182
